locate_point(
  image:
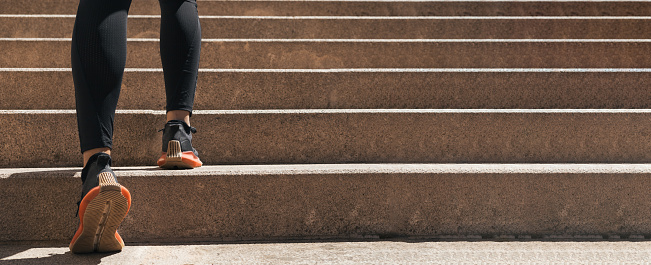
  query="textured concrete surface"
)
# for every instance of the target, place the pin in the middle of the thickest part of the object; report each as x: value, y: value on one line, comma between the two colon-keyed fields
x: 358, y: 54
x: 383, y: 252
x: 361, y: 8
x: 351, y: 90
x: 30, y: 27
x: 322, y: 136
x: 310, y: 202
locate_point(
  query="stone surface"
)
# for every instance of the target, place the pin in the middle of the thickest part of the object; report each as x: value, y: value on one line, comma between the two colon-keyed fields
x: 381, y: 252
x: 357, y: 54
x: 351, y: 90
x: 311, y: 202
x: 30, y: 27
x: 49, y: 139
x: 361, y: 8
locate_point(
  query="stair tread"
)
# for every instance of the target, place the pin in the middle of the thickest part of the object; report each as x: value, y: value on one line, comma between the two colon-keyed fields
x: 358, y: 28
x: 230, y: 89
x: 357, y: 168
x: 347, y: 136
x: 366, y: 8
x: 360, y: 53
x: 375, y: 252
x: 360, y: 201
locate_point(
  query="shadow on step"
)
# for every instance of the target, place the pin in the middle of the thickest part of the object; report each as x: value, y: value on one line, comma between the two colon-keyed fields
x: 41, y: 173
x: 64, y: 172
x: 53, y: 254
x: 58, y: 253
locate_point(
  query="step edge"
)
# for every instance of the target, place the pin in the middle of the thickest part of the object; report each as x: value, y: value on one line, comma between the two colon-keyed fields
x: 361, y: 70
x: 338, y: 169
x: 352, y: 111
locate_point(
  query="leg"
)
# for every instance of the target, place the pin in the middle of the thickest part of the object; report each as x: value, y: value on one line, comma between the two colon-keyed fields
x: 98, y: 59
x: 180, y: 47
x: 99, y: 49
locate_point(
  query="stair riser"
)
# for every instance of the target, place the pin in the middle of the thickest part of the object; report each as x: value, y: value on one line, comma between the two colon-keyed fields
x: 268, y: 207
x: 381, y: 90
x: 359, y: 8
x: 358, y: 54
x: 357, y: 28
x: 50, y: 140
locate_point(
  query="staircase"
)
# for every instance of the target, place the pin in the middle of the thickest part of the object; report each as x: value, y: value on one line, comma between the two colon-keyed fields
x: 325, y: 120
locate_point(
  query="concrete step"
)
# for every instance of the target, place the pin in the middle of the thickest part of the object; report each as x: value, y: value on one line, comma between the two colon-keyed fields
x: 374, y: 252
x: 351, y: 201
x: 353, y: 89
x: 49, y: 138
x: 278, y: 53
x: 362, y: 8
x: 56, y: 26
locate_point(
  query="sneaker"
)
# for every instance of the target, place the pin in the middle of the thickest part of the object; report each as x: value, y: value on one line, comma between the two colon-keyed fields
x: 104, y: 204
x: 177, y: 147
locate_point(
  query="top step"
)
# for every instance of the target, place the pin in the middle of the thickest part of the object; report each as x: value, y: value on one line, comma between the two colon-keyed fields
x: 360, y: 8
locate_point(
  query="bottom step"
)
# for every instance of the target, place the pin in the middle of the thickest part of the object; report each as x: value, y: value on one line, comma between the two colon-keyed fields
x: 343, y: 201
x: 349, y: 253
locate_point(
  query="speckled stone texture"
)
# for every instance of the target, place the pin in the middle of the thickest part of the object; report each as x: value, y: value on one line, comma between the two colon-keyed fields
x: 349, y: 201
x: 48, y: 140
x: 375, y: 252
x: 342, y: 201
x: 355, y: 8
x: 357, y: 28
x: 349, y: 90
x: 364, y: 54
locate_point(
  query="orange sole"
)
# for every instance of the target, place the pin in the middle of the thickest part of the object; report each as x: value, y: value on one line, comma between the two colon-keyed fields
x: 175, y: 159
x: 100, y: 213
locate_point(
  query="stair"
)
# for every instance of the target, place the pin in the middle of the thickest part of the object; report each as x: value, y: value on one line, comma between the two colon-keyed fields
x: 349, y: 201
x: 359, y: 53
x: 329, y: 120
x: 384, y: 252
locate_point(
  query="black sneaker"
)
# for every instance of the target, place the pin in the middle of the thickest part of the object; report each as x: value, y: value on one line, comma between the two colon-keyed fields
x: 104, y: 204
x: 177, y: 147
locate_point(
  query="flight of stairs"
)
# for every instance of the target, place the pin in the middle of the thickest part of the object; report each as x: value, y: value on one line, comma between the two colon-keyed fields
x: 350, y: 120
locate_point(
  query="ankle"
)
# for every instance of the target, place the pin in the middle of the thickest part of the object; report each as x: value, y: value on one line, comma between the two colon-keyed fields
x: 88, y: 154
x: 181, y: 115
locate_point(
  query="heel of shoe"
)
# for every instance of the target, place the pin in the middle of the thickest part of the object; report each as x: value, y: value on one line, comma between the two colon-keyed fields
x: 175, y: 158
x: 174, y: 151
x: 106, y: 179
x: 101, y: 213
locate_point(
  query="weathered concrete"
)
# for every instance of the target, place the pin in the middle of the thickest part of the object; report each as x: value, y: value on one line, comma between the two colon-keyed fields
x: 351, y: 90
x: 276, y: 202
x: 362, y: 54
x: 381, y: 252
x: 359, y: 8
x: 30, y: 27
x: 49, y: 139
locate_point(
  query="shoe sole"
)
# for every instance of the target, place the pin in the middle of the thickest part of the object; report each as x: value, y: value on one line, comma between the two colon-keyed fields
x: 100, y: 213
x: 175, y: 159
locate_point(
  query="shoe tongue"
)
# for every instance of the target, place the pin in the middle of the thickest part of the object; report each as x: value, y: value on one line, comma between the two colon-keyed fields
x: 100, y: 158
x: 103, y: 160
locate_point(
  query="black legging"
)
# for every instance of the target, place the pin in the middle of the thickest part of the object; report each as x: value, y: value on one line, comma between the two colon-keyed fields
x: 99, y: 52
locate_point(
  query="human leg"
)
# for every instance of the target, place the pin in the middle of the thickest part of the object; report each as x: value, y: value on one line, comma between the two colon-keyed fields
x: 180, y: 47
x: 98, y: 58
